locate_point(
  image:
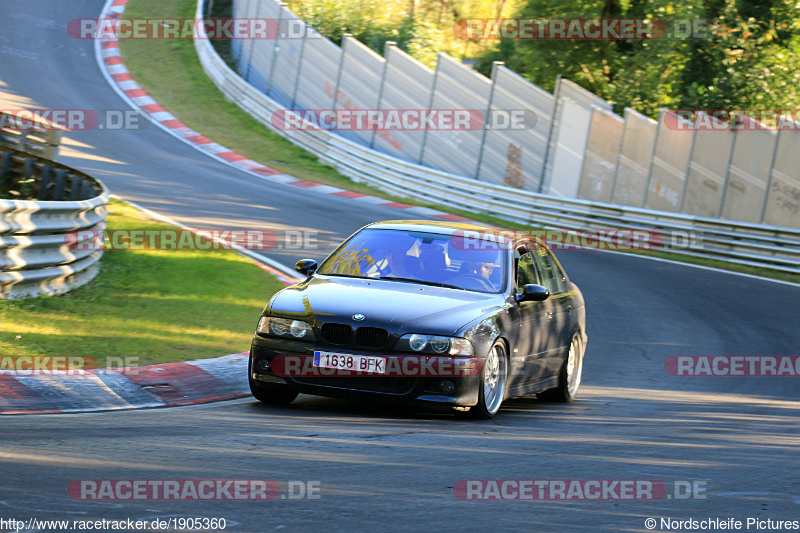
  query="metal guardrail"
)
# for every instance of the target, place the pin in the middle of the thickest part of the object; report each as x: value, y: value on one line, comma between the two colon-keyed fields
x: 42, y: 143
x: 40, y: 239
x: 734, y: 242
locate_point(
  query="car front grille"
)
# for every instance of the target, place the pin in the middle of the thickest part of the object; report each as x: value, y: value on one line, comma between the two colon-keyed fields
x: 373, y: 338
x: 365, y: 337
x: 339, y: 334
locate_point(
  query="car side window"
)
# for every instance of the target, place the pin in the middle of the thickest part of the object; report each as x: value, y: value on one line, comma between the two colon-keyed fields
x: 552, y: 277
x: 526, y: 271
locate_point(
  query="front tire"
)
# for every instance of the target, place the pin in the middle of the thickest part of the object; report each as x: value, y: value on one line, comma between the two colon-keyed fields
x: 569, y: 377
x: 493, y: 383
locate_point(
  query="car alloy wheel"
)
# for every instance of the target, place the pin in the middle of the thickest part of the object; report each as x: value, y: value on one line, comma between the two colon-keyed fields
x: 493, y: 383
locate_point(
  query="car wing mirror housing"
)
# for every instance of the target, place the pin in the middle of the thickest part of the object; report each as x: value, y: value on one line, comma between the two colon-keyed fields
x: 306, y: 267
x: 533, y: 293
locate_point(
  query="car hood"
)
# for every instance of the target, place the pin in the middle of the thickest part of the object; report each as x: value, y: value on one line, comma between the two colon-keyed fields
x: 399, y: 307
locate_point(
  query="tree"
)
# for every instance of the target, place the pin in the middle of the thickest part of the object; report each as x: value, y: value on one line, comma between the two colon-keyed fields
x: 749, y: 57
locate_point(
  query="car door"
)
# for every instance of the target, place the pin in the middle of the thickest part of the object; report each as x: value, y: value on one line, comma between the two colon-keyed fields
x: 529, y: 354
x: 558, y: 315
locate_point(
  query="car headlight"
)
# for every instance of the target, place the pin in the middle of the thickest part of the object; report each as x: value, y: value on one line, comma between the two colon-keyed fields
x: 285, y: 327
x: 434, y: 344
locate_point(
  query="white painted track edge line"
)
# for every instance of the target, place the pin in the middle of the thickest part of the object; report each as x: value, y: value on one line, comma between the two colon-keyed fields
x: 283, y: 269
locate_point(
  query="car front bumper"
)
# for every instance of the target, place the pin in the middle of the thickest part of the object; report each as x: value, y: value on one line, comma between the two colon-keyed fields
x: 447, y: 382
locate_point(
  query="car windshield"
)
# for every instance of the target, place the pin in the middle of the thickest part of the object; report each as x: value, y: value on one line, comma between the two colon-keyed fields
x: 417, y: 257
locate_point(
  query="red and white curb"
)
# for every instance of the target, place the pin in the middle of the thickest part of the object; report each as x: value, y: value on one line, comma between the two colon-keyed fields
x: 168, y: 384
x: 114, y: 70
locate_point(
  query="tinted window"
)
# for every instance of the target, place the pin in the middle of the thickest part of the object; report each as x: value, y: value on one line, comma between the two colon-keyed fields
x: 551, y: 275
x: 417, y: 256
x: 526, y: 272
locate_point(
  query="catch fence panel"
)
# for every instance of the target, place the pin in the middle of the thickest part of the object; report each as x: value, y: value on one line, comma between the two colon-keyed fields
x: 258, y: 54
x: 456, y: 87
x: 575, y: 120
x: 753, y: 149
x: 515, y: 157
x: 600, y: 158
x: 317, y: 86
x: 638, y: 141
x: 359, y: 84
x: 667, y: 177
x: 783, y: 202
x: 566, y: 89
x: 407, y: 85
x: 282, y: 77
x: 713, y: 143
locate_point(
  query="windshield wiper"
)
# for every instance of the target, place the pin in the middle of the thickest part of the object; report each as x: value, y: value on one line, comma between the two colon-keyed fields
x: 422, y: 282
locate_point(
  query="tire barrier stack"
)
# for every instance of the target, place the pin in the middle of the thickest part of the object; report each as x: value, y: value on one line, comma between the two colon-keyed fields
x: 48, y: 213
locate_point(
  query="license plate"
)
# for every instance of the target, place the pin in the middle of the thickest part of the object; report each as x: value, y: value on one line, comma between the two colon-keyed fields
x: 346, y: 361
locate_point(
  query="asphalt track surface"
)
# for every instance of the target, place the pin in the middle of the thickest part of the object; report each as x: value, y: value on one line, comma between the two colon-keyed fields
x: 392, y: 468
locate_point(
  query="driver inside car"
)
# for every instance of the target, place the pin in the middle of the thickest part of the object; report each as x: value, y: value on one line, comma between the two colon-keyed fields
x: 480, y: 269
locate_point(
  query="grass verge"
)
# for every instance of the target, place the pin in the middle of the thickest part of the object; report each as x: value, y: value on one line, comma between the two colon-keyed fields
x: 158, y: 306
x: 178, y: 83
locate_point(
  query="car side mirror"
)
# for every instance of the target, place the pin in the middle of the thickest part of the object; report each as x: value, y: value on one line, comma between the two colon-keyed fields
x: 533, y: 293
x: 306, y: 266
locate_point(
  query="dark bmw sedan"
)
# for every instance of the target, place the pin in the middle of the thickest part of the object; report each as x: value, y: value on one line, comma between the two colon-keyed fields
x: 440, y: 314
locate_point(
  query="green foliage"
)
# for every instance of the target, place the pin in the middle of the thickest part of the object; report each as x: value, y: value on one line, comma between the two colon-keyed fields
x: 750, y: 57
x: 752, y: 61
x: 422, y: 28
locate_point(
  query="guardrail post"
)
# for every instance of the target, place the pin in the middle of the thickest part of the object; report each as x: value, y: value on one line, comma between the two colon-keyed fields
x: 661, y: 113
x: 727, y: 175
x: 275, y: 49
x: 299, y: 67
x: 430, y: 107
x: 386, y: 47
x: 495, y: 64
x: 688, y: 168
x: 339, y: 70
x: 238, y: 56
x: 550, y: 134
x: 253, y: 43
x: 769, y: 176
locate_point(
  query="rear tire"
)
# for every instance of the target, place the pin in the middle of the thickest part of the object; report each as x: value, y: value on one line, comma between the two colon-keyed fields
x: 493, y: 383
x: 569, y: 377
x: 271, y: 394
